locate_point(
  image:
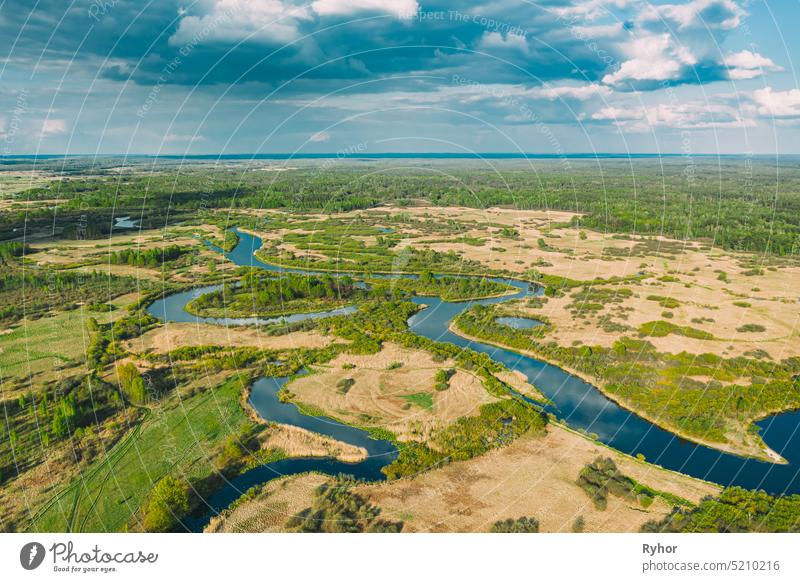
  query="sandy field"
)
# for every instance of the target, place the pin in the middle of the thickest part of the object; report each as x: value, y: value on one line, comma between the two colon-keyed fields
x: 171, y: 336
x: 380, y: 395
x: 299, y: 442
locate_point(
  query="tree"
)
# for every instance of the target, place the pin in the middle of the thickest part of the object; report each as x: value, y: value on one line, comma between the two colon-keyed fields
x: 168, y: 504
x: 64, y: 417
x: 131, y: 383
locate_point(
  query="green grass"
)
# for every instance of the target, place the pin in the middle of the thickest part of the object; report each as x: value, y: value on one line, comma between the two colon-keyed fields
x: 665, y: 328
x: 421, y: 399
x: 665, y: 302
x: 39, y: 345
x: 178, y: 437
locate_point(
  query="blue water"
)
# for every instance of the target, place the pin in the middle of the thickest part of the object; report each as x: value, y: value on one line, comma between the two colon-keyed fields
x: 519, y: 322
x: 577, y: 402
x: 264, y: 400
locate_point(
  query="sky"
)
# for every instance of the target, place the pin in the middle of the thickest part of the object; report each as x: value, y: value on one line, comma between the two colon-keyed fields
x: 366, y: 76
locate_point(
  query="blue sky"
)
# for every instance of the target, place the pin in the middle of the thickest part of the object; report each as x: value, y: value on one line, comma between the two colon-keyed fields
x: 557, y: 76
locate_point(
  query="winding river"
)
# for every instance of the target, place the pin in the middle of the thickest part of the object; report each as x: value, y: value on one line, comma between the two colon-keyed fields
x: 578, y: 403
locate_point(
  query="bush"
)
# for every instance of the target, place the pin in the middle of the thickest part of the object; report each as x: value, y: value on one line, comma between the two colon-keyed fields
x: 519, y: 525
x: 735, y: 510
x: 344, y: 385
x: 579, y: 524
x: 337, y: 509
x: 168, y: 504
x: 602, y: 477
x: 751, y: 328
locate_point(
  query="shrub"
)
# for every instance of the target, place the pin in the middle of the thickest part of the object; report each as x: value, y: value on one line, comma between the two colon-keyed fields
x: 344, y: 385
x: 168, y: 504
x: 579, y: 524
x: 519, y: 525
x: 751, y: 328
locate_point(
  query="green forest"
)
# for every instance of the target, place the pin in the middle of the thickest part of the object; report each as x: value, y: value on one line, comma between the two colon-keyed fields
x: 730, y: 203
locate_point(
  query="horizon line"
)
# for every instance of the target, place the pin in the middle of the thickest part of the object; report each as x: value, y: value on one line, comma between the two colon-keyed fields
x: 343, y: 155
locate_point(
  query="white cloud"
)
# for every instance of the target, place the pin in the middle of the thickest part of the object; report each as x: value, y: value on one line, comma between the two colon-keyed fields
x: 320, y: 136
x: 653, y: 57
x: 772, y: 103
x: 748, y: 65
x: 179, y: 137
x: 271, y: 21
x: 688, y: 116
x: 612, y: 113
x: 397, y: 8
x: 590, y: 9
x: 579, y: 92
x: 496, y: 40
x: 53, y: 127
x: 598, y: 31
x: 705, y: 14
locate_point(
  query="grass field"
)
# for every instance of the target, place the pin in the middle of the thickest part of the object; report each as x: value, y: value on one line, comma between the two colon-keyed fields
x: 177, y: 438
x: 37, y: 346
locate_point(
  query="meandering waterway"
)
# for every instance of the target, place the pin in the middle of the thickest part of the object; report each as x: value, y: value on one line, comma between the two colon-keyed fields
x: 577, y: 402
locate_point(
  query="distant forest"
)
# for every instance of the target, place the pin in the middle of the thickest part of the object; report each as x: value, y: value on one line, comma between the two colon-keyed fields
x: 738, y: 204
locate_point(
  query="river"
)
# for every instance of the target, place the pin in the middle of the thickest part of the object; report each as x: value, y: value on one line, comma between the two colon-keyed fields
x: 577, y: 402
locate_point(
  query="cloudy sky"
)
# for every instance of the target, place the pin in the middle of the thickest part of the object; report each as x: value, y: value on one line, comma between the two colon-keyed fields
x: 555, y: 76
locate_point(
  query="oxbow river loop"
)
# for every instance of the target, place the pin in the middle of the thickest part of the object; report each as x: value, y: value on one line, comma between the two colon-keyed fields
x: 577, y: 402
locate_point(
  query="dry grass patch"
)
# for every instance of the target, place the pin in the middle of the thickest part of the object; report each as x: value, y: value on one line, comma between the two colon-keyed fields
x: 268, y: 512
x: 171, y: 336
x: 532, y: 476
x: 392, y: 390
x: 299, y: 442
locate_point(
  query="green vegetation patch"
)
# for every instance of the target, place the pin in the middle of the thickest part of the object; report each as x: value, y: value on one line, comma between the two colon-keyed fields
x: 497, y: 425
x: 661, y: 384
x: 665, y: 302
x: 602, y: 477
x: 178, y: 437
x: 337, y: 509
x: 421, y: 399
x: 665, y: 328
x: 751, y: 328
x: 736, y: 510
x: 518, y: 525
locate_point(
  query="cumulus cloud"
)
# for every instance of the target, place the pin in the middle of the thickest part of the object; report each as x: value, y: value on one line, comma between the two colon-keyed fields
x: 771, y: 103
x: 590, y: 9
x: 492, y: 41
x: 705, y: 14
x: 653, y: 57
x: 579, y: 92
x: 748, y: 65
x: 397, y: 8
x: 270, y: 21
x: 686, y: 116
